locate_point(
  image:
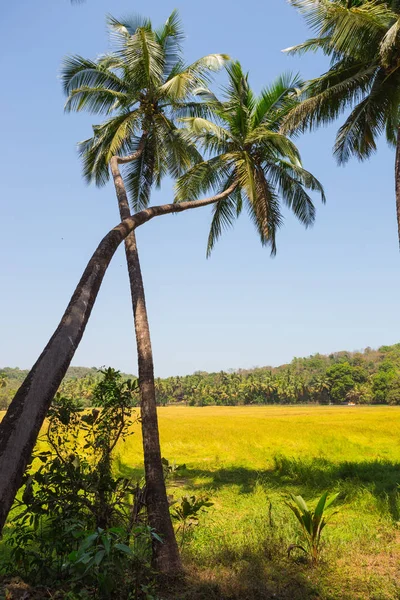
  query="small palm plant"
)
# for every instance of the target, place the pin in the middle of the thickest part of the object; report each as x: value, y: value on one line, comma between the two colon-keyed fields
x: 312, y: 523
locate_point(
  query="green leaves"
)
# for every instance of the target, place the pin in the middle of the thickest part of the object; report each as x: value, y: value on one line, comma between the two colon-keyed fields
x: 185, y: 81
x: 363, y: 40
x: 243, y: 139
x: 143, y: 86
x: 187, y: 512
x: 312, y: 522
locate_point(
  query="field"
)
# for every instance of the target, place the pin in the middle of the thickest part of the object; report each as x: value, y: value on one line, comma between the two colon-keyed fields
x: 246, y: 460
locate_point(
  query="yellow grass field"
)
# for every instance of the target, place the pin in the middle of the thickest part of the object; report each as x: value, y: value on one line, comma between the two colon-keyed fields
x: 215, y: 437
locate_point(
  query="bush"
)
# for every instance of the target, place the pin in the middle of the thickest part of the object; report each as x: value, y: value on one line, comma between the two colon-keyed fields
x: 73, y: 516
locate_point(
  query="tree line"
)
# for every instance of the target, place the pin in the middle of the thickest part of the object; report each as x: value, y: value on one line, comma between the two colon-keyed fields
x: 368, y: 377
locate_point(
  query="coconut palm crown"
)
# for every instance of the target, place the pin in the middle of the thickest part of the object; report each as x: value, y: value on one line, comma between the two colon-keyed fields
x: 142, y: 85
x: 362, y: 39
x: 243, y: 146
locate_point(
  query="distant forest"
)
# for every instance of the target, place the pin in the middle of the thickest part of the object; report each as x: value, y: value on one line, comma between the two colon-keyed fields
x: 368, y: 377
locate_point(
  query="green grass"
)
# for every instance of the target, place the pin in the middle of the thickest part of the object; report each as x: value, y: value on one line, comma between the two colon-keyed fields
x: 247, y: 459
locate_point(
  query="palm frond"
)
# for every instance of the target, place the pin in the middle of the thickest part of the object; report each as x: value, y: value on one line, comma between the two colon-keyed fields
x: 170, y: 37
x: 144, y: 57
x: 139, y: 175
x: 311, y: 45
x: 369, y: 119
x: 115, y: 136
x: 203, y: 177
x: 275, y: 96
x: 264, y: 210
x: 199, y: 126
x: 186, y: 79
x: 96, y: 100
x: 180, y: 152
x: 327, y: 96
x: 77, y: 72
x: 274, y: 144
x: 122, y: 29
x: 389, y: 42
x: 354, y: 30
x: 225, y: 212
x: 291, y: 188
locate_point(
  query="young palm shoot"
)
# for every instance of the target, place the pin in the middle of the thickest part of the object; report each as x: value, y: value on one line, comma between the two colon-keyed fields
x: 312, y: 523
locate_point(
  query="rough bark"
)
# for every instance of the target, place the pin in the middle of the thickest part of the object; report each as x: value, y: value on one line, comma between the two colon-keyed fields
x: 397, y: 181
x: 166, y: 557
x: 21, y: 424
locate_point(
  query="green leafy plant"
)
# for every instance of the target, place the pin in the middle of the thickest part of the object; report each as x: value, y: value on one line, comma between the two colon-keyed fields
x: 108, y: 563
x: 187, y: 513
x: 70, y: 488
x: 312, y: 523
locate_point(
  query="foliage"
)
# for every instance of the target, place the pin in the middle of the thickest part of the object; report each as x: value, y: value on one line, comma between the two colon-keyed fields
x: 187, y: 512
x: 249, y: 154
x: 361, y: 38
x: 106, y: 563
x: 142, y: 87
x: 312, y: 523
x: 369, y: 377
x: 70, y: 490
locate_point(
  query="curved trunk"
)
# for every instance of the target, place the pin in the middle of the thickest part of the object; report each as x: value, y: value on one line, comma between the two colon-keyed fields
x: 397, y: 181
x: 25, y: 415
x: 166, y: 557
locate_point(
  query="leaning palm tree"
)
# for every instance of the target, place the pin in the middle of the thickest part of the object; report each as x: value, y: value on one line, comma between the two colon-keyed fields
x: 362, y: 39
x: 141, y: 87
x: 21, y: 425
x: 247, y: 152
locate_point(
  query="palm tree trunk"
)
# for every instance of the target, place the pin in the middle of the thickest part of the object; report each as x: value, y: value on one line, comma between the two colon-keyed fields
x: 166, y: 557
x: 25, y: 415
x: 397, y: 181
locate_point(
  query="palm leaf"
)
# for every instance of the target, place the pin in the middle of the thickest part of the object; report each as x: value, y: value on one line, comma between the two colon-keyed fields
x: 77, y: 72
x: 95, y: 100
x: 187, y: 79
x: 275, y: 96
x: 225, y: 212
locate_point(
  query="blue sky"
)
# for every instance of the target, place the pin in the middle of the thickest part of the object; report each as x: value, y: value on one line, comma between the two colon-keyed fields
x: 333, y: 287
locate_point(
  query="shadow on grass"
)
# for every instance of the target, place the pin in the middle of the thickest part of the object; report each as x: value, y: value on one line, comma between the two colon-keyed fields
x: 310, y: 477
x: 253, y: 578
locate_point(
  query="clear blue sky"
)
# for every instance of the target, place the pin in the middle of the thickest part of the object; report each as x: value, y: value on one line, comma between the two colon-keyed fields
x: 333, y: 287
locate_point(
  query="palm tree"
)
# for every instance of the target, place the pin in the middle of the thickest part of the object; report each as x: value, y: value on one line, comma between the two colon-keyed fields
x: 141, y: 87
x: 21, y: 424
x: 362, y: 40
x: 248, y: 152
x: 320, y: 388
